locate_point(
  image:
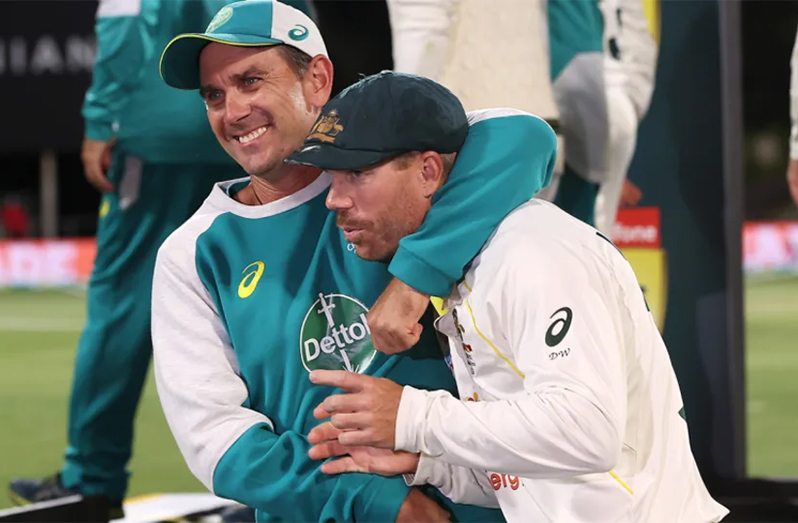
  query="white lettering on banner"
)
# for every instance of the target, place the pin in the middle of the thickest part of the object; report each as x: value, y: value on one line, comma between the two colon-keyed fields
x: 34, y: 264
x: 80, y: 53
x: 47, y: 55
x: 634, y: 233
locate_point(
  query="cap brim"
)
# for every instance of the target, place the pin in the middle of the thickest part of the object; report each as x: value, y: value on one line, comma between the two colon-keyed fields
x: 179, y: 65
x: 331, y: 158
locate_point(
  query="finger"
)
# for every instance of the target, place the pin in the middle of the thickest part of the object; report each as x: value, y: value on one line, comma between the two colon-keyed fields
x: 348, y: 381
x: 361, y: 437
x: 386, y: 341
x: 106, y: 160
x: 328, y: 449
x: 414, y: 335
x: 339, y: 466
x: 103, y: 184
x: 108, y: 155
x: 349, y: 421
x: 323, y: 432
x: 320, y: 413
x: 95, y: 175
x: 338, y: 403
x: 399, y: 342
x: 379, y: 342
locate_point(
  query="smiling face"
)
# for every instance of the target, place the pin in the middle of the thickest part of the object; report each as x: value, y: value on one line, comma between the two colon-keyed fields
x: 259, y: 107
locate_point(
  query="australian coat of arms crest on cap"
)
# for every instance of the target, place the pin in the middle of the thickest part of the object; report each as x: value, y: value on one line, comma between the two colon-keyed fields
x: 326, y: 128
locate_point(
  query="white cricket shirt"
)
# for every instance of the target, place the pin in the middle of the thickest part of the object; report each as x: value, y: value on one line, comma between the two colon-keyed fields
x: 572, y: 411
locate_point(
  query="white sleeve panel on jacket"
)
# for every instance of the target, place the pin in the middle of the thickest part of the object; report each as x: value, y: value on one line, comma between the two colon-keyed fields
x: 460, y: 484
x: 552, y: 310
x: 794, y: 101
x: 195, y: 367
x: 421, y: 33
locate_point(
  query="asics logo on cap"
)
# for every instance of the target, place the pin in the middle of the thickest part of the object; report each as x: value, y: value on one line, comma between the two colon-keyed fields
x: 298, y: 33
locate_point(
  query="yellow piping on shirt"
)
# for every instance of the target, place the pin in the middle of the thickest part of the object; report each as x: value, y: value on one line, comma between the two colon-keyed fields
x: 619, y: 480
x: 490, y: 344
x: 500, y: 355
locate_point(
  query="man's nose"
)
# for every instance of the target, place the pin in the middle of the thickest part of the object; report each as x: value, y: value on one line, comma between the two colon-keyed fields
x: 337, y: 199
x: 236, y: 107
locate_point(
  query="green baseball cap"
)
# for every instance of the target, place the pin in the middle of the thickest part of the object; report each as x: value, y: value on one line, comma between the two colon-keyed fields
x: 383, y: 116
x: 249, y: 23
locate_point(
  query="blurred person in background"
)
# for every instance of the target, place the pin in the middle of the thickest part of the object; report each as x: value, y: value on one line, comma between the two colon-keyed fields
x: 792, y: 167
x: 490, y: 53
x: 150, y: 151
x: 577, y: 72
x: 631, y: 35
x: 540, y: 56
x: 14, y: 217
x: 562, y: 79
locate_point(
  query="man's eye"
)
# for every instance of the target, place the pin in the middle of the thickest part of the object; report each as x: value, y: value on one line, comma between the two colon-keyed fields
x: 212, y: 96
x: 356, y: 174
x: 251, y: 80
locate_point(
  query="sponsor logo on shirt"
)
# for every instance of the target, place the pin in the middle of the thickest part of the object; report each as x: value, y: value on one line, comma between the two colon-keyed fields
x: 467, y: 350
x: 335, y: 335
x: 500, y: 481
x: 252, y: 274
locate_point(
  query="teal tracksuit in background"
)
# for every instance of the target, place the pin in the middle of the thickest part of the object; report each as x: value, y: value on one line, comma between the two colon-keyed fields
x: 165, y: 161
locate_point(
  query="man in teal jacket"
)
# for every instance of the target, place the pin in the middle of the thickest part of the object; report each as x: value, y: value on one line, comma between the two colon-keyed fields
x: 260, y: 286
x: 150, y: 151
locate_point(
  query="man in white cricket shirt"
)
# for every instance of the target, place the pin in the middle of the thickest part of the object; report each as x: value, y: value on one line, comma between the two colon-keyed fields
x: 569, y: 408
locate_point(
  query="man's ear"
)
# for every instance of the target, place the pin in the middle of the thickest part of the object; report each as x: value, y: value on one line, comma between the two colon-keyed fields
x: 318, y: 81
x: 431, y: 172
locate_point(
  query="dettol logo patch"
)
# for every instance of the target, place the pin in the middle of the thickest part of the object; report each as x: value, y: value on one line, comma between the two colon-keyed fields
x: 335, y: 336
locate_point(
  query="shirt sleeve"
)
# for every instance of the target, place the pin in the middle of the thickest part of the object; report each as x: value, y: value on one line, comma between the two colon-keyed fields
x: 567, y: 345
x: 460, y: 484
x: 234, y: 450
x: 794, y: 101
x: 420, y: 32
x: 124, y: 45
x: 507, y: 158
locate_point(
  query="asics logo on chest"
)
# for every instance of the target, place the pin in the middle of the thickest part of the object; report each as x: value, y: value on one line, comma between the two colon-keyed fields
x: 252, y: 274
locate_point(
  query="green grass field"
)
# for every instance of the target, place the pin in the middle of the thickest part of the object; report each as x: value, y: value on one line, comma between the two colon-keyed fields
x: 771, y: 309
x: 39, y: 332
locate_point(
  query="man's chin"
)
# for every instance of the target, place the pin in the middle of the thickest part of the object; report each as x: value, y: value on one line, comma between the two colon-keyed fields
x: 265, y: 170
x: 368, y: 253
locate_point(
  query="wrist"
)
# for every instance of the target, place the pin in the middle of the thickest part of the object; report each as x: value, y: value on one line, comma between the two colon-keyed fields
x: 99, y: 131
x: 410, y: 290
